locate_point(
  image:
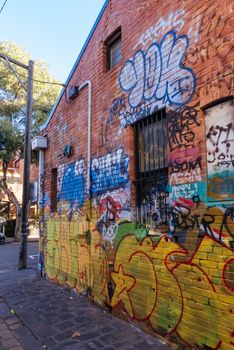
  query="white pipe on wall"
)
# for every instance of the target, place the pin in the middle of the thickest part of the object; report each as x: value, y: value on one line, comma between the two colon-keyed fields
x: 41, y: 176
x: 88, y: 83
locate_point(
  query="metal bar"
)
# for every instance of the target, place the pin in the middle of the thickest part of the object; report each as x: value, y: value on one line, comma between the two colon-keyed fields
x: 16, y: 74
x: 12, y: 60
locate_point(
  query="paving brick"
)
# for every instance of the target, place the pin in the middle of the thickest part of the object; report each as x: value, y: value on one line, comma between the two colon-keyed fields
x: 105, y: 330
x: 11, y: 321
x: 21, y: 332
x: 3, y: 328
x: 89, y: 335
x: 64, y: 325
x: 29, y: 343
x: 98, y: 330
x: 10, y: 343
x: 6, y: 335
x: 63, y: 336
x: 15, y: 326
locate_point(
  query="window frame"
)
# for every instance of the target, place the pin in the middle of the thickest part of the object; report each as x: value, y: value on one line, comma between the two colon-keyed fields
x: 110, y: 43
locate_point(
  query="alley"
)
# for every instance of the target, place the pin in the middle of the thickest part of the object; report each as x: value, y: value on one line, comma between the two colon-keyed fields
x: 36, y: 314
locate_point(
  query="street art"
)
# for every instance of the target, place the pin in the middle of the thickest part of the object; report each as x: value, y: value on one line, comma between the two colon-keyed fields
x: 114, y: 208
x: 178, y: 288
x: 189, y: 221
x: 186, y: 190
x: 181, y: 125
x: 171, y: 266
x: 173, y: 20
x: 184, y: 171
x: 153, y: 212
x: 176, y: 296
x: 220, y: 151
x: 184, y: 165
x: 74, y: 255
x: 109, y: 171
x: 147, y: 77
x: 71, y: 183
x: 210, y: 25
x: 106, y: 139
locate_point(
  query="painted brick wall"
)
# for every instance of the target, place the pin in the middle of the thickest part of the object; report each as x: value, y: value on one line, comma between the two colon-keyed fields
x: 179, y: 283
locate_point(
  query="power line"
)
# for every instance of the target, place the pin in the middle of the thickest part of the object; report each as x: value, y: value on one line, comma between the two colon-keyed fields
x: 3, y: 6
x: 44, y: 82
x: 35, y: 80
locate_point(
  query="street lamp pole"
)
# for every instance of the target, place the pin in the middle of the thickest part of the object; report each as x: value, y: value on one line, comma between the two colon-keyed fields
x: 26, y: 175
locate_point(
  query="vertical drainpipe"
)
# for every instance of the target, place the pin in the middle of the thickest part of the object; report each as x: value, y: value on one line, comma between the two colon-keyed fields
x: 88, y: 83
x: 41, y: 175
x: 41, y: 204
x: 84, y: 84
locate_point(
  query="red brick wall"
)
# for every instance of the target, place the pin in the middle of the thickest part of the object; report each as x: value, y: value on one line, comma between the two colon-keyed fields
x: 178, y: 283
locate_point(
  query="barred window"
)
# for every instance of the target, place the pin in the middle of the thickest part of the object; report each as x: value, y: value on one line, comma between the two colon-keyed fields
x: 152, y: 171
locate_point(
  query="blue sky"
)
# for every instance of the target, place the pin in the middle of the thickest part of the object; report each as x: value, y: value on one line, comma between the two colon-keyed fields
x: 51, y: 30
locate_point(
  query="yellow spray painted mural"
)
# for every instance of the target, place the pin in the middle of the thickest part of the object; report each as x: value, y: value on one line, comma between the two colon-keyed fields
x: 157, y: 283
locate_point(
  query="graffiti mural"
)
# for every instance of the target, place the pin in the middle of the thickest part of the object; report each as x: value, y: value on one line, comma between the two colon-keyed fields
x: 181, y: 125
x: 220, y: 150
x: 109, y: 171
x: 191, y: 218
x: 114, y: 208
x: 74, y: 257
x: 173, y: 20
x: 187, y: 190
x: 71, y: 183
x: 176, y: 295
x: 184, y: 171
x: 153, y: 212
x: 158, y: 75
x: 161, y: 252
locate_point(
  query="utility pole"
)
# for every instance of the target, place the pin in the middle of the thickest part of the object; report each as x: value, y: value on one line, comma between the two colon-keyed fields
x: 27, y: 154
x: 26, y: 178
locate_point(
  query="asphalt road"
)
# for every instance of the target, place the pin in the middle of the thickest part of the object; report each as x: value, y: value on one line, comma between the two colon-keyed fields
x: 9, y: 255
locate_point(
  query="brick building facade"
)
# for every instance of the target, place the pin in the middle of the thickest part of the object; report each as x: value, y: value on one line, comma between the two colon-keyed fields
x: 139, y: 211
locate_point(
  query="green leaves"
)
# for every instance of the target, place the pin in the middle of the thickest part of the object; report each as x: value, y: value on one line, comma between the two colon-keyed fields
x: 12, y: 94
x: 11, y: 141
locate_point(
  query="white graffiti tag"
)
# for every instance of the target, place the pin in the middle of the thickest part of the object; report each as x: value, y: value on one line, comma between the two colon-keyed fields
x: 159, y: 73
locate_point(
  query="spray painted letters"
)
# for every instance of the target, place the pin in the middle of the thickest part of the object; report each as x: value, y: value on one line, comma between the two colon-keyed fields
x: 109, y: 172
x: 158, y: 73
x: 220, y: 150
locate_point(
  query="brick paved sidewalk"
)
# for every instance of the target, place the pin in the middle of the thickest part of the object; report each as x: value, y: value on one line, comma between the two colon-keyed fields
x: 13, y: 334
x: 47, y: 316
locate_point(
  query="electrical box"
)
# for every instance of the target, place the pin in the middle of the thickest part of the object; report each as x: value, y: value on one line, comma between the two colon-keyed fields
x: 73, y: 92
x: 39, y: 143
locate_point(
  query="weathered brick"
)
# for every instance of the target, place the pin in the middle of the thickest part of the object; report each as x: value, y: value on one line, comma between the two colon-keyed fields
x: 177, y: 57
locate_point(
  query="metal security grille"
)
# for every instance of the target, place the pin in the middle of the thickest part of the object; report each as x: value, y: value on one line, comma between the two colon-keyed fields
x: 152, y: 171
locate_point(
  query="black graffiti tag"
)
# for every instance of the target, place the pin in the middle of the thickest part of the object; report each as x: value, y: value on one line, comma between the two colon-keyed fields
x: 180, y: 123
x: 218, y: 136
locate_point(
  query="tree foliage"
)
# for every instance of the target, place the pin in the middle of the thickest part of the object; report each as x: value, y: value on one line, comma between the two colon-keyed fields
x: 12, y: 110
x: 12, y: 94
x: 10, y: 148
x: 10, y: 141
